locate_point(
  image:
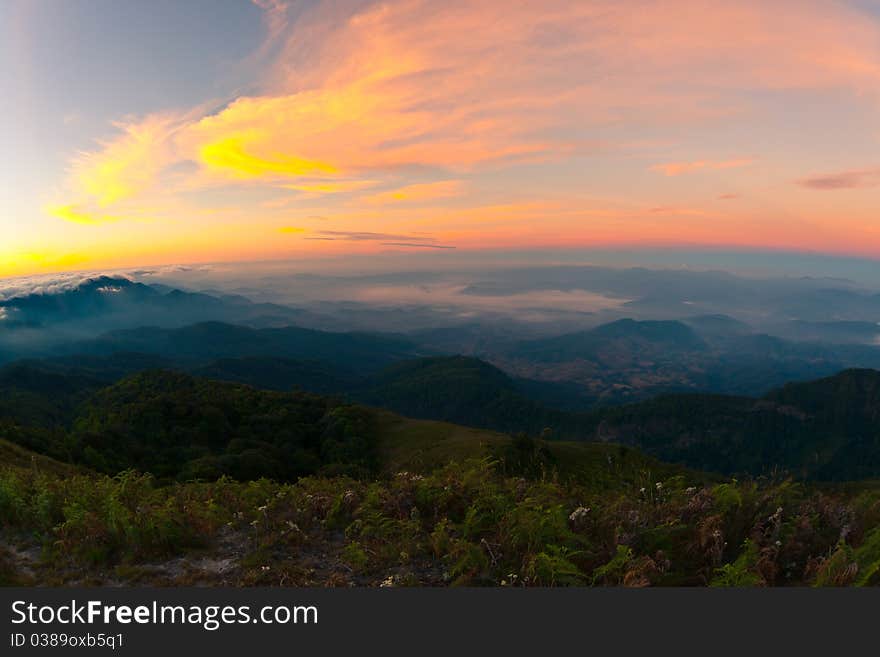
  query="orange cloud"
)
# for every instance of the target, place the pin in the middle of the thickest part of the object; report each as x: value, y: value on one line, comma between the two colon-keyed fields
x: 388, y: 94
x: 341, y: 187
x: 418, y: 192
x: 679, y: 168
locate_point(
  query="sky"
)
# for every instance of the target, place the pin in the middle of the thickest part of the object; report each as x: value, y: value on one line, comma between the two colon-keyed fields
x: 161, y: 132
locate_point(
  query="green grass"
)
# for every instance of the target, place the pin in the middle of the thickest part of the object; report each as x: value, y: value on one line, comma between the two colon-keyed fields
x: 424, y: 445
x: 449, y: 506
x: 15, y: 456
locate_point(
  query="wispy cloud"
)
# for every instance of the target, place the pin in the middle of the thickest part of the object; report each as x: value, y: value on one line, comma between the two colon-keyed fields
x: 78, y: 215
x: 420, y: 246
x: 854, y: 179
x: 417, y: 193
x: 362, y: 236
x: 418, y: 102
x: 332, y: 187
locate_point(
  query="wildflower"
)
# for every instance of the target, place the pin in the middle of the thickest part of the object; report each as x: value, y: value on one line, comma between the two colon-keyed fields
x: 579, y: 516
x: 262, y: 509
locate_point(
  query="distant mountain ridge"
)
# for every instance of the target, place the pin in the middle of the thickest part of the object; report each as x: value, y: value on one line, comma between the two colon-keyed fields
x: 827, y: 429
x: 639, y: 338
x: 217, y: 340
x: 31, y: 324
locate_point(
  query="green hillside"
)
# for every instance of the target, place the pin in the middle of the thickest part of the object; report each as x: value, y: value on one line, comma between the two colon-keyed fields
x: 318, y: 492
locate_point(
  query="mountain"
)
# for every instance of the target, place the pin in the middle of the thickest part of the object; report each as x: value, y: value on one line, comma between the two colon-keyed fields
x: 176, y: 426
x: 461, y: 390
x: 215, y: 340
x: 32, y: 324
x: 109, y: 299
x: 837, y: 332
x: 622, y: 341
x: 182, y: 427
x: 629, y: 360
x: 281, y: 374
x: 825, y: 429
x: 713, y: 326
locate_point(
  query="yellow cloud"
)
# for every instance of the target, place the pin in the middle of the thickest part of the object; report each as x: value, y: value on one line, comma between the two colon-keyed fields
x: 408, y: 88
x: 77, y: 215
x: 126, y: 165
x: 230, y: 155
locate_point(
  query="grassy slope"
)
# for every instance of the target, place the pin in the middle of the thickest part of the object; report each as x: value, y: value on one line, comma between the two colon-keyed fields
x: 424, y: 445
x: 11, y: 455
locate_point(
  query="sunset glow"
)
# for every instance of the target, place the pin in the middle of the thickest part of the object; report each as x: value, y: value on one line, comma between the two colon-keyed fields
x: 331, y: 128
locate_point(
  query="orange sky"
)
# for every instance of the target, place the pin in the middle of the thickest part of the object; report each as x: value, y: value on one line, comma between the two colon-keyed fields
x: 360, y: 127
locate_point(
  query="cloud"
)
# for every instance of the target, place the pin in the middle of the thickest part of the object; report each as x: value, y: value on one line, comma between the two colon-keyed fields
x: 386, y: 239
x: 329, y: 187
x: 355, y: 94
x: 124, y: 169
x: 679, y: 168
x: 57, y: 283
x: 726, y: 197
x: 249, y: 156
x: 363, y: 236
x: 47, y: 284
x: 854, y: 179
x: 369, y: 88
x: 77, y: 215
x: 291, y: 230
x: 418, y: 192
x: 275, y: 15
x: 127, y: 164
x: 421, y: 246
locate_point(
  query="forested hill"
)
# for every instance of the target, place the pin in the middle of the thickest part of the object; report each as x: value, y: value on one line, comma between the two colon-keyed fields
x: 175, y: 426
x: 826, y: 429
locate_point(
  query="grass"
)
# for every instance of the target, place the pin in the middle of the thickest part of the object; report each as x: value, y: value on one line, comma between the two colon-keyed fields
x: 12, y: 455
x: 424, y: 445
x: 452, y: 506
